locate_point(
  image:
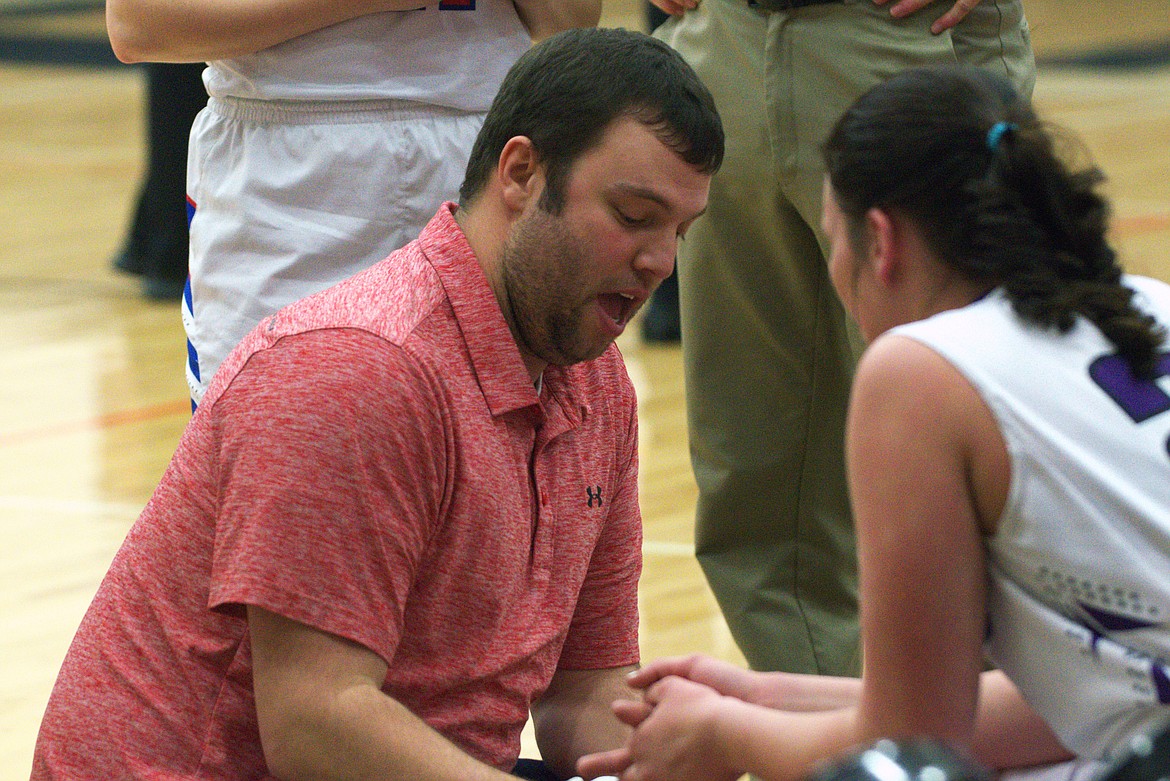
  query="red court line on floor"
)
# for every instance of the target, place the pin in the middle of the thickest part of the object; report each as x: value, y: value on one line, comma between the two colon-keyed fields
x: 108, y: 420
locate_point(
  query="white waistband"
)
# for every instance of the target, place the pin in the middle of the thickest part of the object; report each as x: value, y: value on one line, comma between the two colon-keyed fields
x: 334, y: 112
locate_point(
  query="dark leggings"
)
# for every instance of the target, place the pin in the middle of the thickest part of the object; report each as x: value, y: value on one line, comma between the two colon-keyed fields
x: 533, y: 770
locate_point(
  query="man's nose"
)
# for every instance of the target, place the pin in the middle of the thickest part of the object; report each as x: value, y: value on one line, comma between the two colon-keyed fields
x: 656, y: 259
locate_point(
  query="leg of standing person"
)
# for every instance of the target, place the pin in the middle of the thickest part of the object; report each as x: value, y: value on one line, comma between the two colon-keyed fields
x: 156, y: 245
x: 767, y: 372
x: 661, y: 321
x: 768, y: 352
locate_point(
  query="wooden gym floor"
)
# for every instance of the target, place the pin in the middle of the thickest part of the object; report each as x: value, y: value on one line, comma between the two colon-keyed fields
x: 92, y: 397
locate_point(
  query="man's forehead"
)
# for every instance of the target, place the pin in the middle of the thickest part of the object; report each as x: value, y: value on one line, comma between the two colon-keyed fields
x: 630, y: 159
x: 626, y: 128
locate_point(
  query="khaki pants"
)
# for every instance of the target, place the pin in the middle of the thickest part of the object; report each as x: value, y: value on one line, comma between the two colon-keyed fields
x: 767, y: 349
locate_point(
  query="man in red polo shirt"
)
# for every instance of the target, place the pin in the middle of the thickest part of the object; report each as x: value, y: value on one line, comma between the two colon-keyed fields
x: 405, y: 515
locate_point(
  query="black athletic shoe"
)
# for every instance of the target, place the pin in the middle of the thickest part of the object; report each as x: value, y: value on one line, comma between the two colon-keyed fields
x: 129, y: 263
x: 159, y: 289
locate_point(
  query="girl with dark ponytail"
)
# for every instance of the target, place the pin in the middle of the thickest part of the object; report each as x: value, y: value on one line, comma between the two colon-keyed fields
x: 1009, y: 464
x: 957, y: 151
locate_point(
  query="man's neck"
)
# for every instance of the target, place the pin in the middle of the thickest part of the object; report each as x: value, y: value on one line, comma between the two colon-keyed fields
x: 486, y: 234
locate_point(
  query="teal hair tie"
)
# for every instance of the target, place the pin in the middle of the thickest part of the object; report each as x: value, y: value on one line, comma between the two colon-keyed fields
x: 997, y: 132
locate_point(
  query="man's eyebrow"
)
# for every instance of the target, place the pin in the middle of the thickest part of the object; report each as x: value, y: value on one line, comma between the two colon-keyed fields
x: 638, y: 191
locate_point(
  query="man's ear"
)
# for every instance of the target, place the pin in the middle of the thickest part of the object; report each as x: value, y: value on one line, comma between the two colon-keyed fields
x: 882, y: 245
x: 520, y: 172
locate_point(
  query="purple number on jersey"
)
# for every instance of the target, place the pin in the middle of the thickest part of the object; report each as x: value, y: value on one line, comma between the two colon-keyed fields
x: 1141, y: 399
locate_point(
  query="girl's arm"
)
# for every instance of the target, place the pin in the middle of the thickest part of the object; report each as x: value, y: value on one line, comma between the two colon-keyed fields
x: 203, y: 30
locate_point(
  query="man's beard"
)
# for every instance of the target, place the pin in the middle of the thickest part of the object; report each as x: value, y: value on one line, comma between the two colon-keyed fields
x: 542, y: 269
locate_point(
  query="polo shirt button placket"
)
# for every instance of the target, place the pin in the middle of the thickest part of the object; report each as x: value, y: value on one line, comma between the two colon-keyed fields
x: 541, y: 542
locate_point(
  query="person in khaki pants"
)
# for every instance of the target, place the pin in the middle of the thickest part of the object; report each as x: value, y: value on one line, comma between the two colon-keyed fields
x: 767, y: 349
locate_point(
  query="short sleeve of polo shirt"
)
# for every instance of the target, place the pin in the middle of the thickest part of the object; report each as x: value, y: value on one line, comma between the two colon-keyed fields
x: 329, y: 456
x: 604, y: 630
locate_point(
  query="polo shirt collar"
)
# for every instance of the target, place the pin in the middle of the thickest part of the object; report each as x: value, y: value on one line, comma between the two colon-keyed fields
x: 495, y: 358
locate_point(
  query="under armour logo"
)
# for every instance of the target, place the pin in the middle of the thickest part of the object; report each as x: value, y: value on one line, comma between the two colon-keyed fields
x: 594, y: 495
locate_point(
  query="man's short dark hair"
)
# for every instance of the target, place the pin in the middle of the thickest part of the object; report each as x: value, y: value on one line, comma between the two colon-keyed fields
x: 565, y: 91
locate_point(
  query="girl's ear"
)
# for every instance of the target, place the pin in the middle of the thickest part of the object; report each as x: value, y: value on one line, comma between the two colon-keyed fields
x: 520, y: 172
x: 883, y: 246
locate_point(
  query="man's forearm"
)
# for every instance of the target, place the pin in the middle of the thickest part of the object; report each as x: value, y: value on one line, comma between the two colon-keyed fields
x: 322, y: 713
x: 364, y: 735
x: 575, y: 716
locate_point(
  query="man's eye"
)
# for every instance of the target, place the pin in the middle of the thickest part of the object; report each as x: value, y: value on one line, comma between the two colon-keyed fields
x: 630, y: 219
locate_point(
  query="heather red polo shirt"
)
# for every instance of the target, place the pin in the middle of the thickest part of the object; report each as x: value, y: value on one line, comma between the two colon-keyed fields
x: 374, y: 462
